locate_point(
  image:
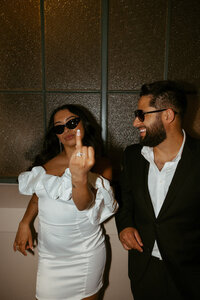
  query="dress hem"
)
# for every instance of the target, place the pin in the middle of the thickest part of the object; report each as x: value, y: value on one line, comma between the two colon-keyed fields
x: 88, y: 295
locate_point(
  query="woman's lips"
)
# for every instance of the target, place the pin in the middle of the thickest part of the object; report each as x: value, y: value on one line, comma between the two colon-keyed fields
x: 69, y: 137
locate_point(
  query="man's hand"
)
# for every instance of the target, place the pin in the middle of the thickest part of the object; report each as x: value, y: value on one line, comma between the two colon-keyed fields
x: 130, y: 239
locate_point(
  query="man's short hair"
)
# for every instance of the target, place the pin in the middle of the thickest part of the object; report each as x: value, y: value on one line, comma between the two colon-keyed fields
x: 166, y: 94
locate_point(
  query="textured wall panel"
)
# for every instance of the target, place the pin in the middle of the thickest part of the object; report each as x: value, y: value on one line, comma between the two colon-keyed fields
x: 184, y: 51
x: 73, y: 44
x: 90, y: 101
x: 121, y: 132
x: 137, y: 42
x: 192, y: 117
x: 20, y: 59
x: 21, y: 127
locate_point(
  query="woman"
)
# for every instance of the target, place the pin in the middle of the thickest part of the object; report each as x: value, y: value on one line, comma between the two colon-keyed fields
x: 71, y: 202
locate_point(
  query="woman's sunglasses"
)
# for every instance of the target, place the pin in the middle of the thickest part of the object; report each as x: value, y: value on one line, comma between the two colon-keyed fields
x: 71, y: 124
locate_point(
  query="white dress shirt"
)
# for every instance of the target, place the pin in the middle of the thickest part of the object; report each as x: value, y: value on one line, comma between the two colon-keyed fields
x: 159, y: 181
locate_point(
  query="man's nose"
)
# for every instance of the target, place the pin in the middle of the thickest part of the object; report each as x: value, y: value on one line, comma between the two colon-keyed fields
x: 136, y: 122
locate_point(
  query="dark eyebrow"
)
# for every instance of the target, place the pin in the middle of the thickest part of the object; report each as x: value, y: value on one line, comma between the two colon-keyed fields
x: 69, y: 118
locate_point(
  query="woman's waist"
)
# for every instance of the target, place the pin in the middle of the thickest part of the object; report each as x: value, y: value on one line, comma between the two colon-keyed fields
x: 67, y: 240
x: 70, y: 229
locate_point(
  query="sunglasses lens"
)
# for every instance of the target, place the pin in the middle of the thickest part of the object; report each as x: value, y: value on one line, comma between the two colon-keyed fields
x: 72, y: 123
x: 139, y: 114
x: 59, y: 129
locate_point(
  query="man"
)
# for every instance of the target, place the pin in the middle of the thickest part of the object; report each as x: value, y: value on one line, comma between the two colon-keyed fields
x: 159, y: 218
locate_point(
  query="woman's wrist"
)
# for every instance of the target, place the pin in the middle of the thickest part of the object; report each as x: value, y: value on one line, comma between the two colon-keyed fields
x: 81, y: 181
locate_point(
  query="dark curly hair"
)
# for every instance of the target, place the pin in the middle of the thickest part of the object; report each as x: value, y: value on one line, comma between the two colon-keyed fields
x: 166, y: 93
x: 51, y: 145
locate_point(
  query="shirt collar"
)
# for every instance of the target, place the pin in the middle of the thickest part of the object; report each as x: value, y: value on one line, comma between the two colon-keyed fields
x: 147, y: 152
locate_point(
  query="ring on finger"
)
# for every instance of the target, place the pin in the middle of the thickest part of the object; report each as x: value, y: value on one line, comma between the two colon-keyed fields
x: 79, y: 154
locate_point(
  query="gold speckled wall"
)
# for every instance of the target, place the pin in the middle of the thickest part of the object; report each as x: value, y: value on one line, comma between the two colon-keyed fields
x: 52, y: 52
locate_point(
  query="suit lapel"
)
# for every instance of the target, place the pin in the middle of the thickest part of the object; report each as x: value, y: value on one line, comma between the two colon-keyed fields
x: 144, y: 170
x: 180, y: 176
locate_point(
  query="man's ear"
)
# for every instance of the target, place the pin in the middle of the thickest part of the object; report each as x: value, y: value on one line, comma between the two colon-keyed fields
x: 169, y: 115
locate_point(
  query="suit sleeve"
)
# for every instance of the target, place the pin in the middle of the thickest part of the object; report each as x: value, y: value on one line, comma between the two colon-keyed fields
x: 124, y: 217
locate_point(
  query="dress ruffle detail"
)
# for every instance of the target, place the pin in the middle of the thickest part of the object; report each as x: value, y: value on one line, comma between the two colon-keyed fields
x: 31, y: 181
x: 105, y: 204
x: 60, y: 189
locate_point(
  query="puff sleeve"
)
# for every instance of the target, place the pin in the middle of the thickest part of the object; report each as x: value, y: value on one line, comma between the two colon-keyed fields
x: 58, y: 188
x: 105, y: 204
x: 30, y: 181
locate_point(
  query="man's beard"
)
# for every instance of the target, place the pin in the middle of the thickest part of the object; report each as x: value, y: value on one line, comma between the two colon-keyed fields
x: 155, y: 134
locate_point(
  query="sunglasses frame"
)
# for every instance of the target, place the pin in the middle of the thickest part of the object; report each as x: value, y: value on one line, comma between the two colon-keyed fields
x: 141, y: 115
x: 71, y: 124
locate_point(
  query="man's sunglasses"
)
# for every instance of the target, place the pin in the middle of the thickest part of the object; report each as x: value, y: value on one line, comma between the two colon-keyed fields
x: 71, y: 124
x: 141, y: 115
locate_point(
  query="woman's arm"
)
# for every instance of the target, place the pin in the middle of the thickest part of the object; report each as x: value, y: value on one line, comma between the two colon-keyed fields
x: 81, y: 161
x: 23, y: 240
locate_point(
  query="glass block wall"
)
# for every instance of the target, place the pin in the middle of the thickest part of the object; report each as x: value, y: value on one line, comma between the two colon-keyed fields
x: 94, y: 53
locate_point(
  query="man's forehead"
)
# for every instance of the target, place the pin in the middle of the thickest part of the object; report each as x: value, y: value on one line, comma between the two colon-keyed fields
x: 144, y: 101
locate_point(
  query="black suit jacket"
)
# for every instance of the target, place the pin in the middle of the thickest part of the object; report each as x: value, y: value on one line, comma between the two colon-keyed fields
x: 177, y: 227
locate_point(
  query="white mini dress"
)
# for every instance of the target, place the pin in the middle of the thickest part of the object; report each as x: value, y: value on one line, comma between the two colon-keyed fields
x: 71, y: 244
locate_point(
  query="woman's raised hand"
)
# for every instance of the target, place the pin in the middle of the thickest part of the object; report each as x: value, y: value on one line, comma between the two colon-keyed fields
x: 82, y: 160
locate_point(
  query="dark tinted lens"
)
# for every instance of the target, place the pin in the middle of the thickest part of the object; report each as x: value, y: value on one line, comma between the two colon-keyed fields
x: 72, y: 123
x: 139, y: 114
x: 59, y: 129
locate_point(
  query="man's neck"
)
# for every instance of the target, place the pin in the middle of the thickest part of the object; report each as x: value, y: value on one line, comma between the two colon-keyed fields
x: 168, y: 149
